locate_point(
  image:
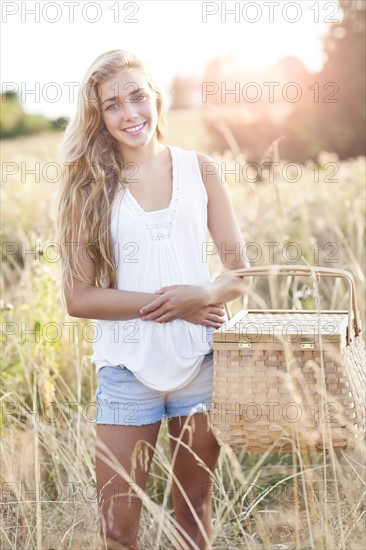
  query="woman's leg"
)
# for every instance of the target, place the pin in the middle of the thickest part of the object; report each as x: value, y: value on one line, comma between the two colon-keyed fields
x: 195, y: 480
x: 121, y: 512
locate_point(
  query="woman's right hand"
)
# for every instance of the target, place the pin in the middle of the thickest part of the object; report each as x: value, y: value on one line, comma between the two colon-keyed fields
x: 210, y: 316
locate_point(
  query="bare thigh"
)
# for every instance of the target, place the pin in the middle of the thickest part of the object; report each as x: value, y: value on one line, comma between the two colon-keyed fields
x: 119, y: 505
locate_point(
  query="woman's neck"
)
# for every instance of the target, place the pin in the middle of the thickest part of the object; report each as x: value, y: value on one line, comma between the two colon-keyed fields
x: 143, y: 156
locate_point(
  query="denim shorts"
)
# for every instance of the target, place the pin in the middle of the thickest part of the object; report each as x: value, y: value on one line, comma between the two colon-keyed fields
x: 123, y: 400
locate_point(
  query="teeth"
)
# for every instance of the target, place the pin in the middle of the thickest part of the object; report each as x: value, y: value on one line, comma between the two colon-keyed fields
x: 134, y: 129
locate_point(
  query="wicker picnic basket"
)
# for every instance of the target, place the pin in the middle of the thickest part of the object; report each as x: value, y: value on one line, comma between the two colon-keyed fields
x: 285, y: 376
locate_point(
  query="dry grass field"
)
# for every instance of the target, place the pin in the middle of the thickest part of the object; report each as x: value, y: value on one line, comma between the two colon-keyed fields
x: 313, y: 215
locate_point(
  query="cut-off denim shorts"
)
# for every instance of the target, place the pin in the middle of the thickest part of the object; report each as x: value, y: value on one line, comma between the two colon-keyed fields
x: 123, y: 400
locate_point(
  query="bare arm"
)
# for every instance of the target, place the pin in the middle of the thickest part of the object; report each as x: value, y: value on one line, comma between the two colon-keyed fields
x: 109, y: 304
x: 225, y: 289
x: 88, y: 301
x: 225, y: 232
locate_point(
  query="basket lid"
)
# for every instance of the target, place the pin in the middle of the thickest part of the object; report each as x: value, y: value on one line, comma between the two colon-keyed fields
x: 291, y: 325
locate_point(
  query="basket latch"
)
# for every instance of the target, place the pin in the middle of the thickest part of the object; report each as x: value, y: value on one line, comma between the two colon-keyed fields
x: 245, y: 344
x: 307, y: 345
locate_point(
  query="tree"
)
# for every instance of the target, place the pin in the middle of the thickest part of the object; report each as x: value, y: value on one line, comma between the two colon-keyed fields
x: 16, y: 122
x: 344, y: 121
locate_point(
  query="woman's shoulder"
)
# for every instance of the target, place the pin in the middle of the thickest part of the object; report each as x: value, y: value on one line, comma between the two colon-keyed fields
x: 202, y: 158
x: 207, y: 164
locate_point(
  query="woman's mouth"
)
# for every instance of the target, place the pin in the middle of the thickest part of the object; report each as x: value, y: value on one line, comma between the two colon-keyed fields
x: 134, y: 129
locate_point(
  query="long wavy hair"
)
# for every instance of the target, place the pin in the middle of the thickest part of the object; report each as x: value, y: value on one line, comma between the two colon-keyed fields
x: 91, y: 167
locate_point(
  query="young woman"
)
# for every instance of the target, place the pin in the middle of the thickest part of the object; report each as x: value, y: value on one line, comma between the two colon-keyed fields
x: 132, y: 226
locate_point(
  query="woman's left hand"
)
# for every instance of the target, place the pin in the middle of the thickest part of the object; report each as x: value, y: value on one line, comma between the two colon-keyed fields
x: 175, y: 302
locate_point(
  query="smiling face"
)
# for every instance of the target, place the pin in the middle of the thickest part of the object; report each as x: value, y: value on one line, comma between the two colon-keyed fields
x: 128, y: 107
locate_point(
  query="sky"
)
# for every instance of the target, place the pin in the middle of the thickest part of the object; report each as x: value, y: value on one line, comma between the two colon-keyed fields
x: 55, y: 45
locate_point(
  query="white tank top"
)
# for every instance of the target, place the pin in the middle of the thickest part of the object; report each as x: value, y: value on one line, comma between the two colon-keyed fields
x: 153, y: 250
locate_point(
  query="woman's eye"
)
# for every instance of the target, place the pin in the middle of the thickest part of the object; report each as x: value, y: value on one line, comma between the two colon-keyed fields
x: 136, y: 99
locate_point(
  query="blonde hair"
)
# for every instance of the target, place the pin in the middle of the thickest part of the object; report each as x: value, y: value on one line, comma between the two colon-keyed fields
x: 91, y: 167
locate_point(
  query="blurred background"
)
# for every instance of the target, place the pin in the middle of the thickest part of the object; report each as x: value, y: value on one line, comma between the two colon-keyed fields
x: 198, y: 55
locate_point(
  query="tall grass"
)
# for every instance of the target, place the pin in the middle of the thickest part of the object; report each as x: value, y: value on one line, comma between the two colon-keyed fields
x: 261, y: 500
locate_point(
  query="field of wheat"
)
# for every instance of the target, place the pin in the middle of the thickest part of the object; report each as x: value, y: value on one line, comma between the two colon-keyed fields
x: 312, y: 214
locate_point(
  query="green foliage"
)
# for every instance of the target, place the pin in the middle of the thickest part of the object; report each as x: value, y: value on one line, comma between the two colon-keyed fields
x: 60, y: 123
x: 11, y: 114
x: 16, y: 122
x: 32, y: 124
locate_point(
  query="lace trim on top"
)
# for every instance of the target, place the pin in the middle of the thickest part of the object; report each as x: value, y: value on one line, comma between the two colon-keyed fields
x: 158, y: 231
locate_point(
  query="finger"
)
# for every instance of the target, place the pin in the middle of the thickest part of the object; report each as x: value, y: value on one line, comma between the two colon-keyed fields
x: 165, y: 288
x: 153, y: 305
x: 164, y: 318
x: 215, y: 325
x: 208, y: 323
x: 155, y: 315
x: 218, y: 311
x: 151, y: 317
x: 216, y: 319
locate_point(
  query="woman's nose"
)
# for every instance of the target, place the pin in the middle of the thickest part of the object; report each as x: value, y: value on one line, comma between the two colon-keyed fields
x: 130, y: 111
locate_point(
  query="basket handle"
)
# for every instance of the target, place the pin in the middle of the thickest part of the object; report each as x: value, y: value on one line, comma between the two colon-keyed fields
x: 301, y: 270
